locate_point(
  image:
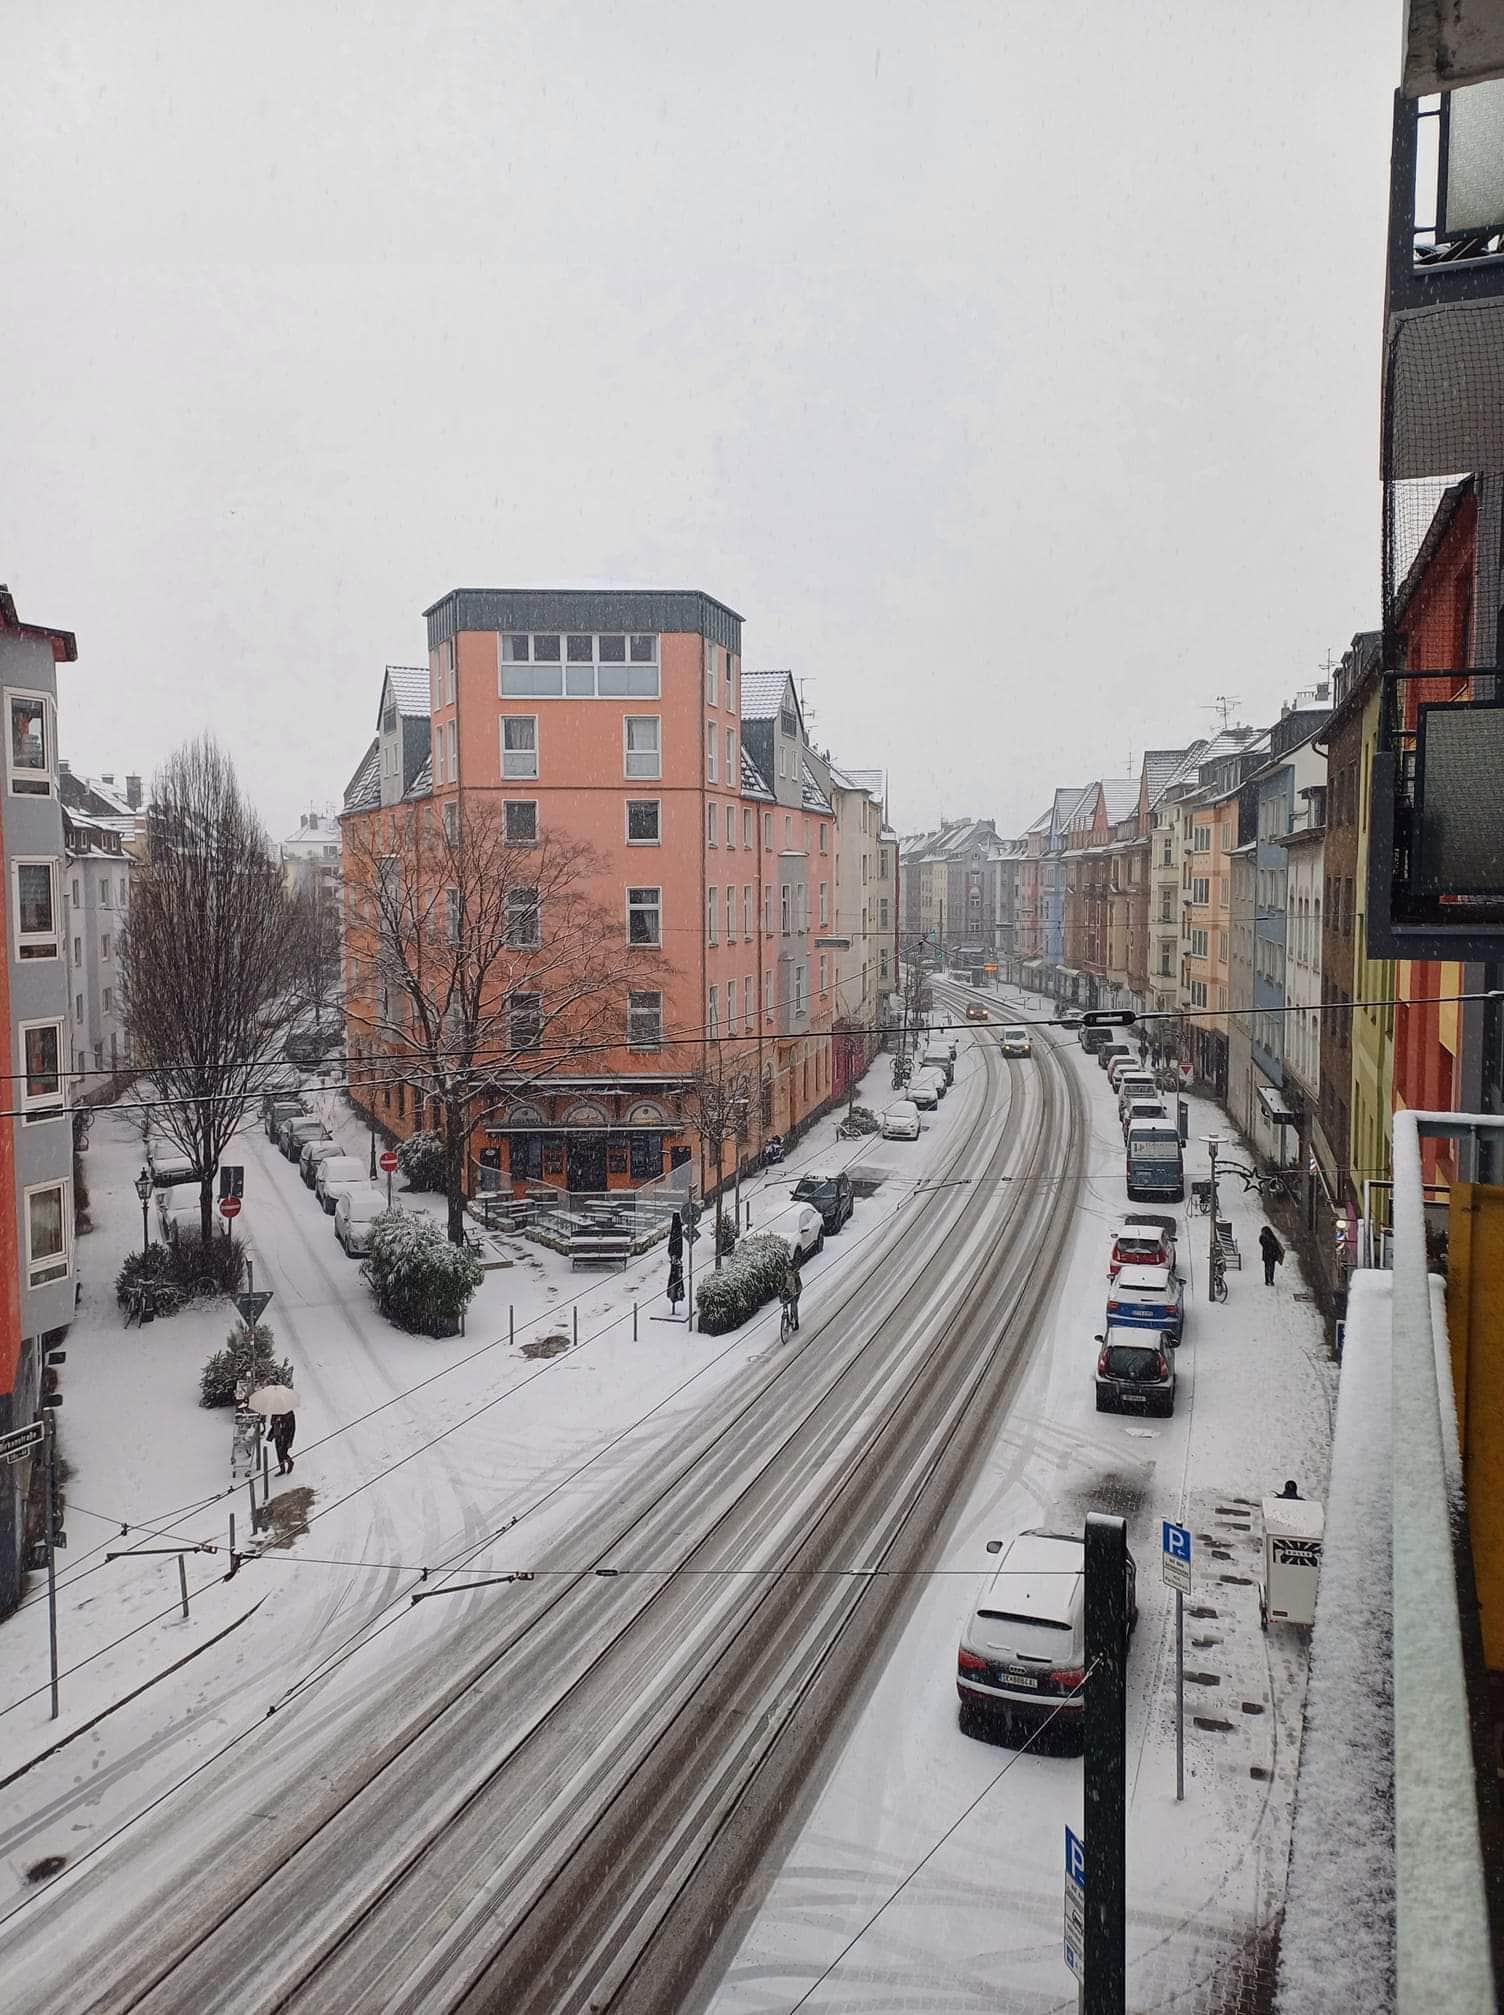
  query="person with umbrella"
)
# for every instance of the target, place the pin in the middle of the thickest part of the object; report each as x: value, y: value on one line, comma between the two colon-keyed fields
x: 277, y: 1403
x: 283, y: 1428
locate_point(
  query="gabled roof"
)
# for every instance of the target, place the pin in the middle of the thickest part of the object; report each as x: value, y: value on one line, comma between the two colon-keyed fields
x: 64, y: 647
x: 754, y: 784
x: 410, y: 689
x: 812, y: 795
x: 422, y: 784
x: 1119, y: 797
x: 873, y: 782
x: 1158, y: 768
x: 763, y: 695
x: 364, y: 788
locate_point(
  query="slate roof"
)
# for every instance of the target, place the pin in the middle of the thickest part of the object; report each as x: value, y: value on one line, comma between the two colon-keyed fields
x: 364, y: 788
x: 763, y: 694
x: 422, y: 784
x: 410, y: 688
x: 1119, y: 797
x: 812, y: 796
x: 754, y: 784
x: 1159, y: 766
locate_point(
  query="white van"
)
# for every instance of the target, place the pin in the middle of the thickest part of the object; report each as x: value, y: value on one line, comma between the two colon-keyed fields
x: 938, y: 1058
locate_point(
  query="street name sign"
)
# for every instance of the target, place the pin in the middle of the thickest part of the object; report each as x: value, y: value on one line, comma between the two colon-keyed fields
x: 1075, y: 1904
x: 20, y: 1441
x: 1175, y: 1557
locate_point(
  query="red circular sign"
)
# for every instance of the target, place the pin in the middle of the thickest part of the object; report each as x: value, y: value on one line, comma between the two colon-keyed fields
x: 388, y: 1161
x: 229, y: 1206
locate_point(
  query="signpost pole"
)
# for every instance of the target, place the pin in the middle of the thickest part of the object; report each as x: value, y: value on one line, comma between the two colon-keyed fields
x: 1179, y: 1696
x: 52, y: 1553
x: 1105, y: 1782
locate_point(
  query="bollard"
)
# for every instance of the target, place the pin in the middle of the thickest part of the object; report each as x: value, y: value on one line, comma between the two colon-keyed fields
x: 183, y: 1580
x: 511, y: 1327
x: 575, y: 1313
x: 634, y: 1322
x: 266, y: 1476
x: 250, y: 1488
x: 232, y: 1534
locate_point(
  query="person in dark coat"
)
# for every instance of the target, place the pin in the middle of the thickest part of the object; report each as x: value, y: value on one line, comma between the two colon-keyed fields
x: 793, y: 1287
x: 283, y: 1427
x: 1273, y: 1252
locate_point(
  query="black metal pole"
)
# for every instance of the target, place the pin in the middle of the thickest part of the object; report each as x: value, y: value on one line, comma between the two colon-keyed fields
x: 52, y: 1552
x: 1105, y: 1803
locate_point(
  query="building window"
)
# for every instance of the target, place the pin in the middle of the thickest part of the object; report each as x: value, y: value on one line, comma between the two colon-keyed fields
x: 327, y: 850
x: 522, y: 925
x: 1198, y: 993
x: 825, y: 845
x: 767, y: 830
x: 29, y: 748
x: 524, y: 1020
x: 730, y: 824
x: 1201, y: 890
x: 107, y: 1000
x: 882, y: 912
x: 549, y: 667
x: 522, y: 821
x: 104, y: 945
x: 749, y: 909
x: 644, y: 916
x: 519, y: 745
x: 1198, y: 944
x: 710, y: 691
x: 645, y: 1020
x: 730, y: 683
x: 710, y: 753
x: 78, y: 1009
x: 799, y: 988
x: 451, y: 738
x: 78, y: 951
x: 730, y: 915
x: 824, y: 973
x: 711, y: 913
x: 452, y: 915
x: 731, y: 1007
x: 824, y: 899
x: 785, y: 910
x: 712, y: 827
x: 767, y: 992
x: 36, y: 910
x: 41, y: 1047
x: 104, y: 891
x: 730, y: 757
x: 882, y: 959
x: 1202, y: 840
x: 643, y: 822
x: 438, y: 758
x: 712, y: 1020
x: 47, y: 1228
x: 77, y: 898
x: 749, y: 1004
x: 451, y: 823
x: 642, y: 754
x: 788, y: 834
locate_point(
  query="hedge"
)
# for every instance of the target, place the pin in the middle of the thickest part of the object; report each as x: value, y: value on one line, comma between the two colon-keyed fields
x: 421, y: 1159
x: 217, y: 1384
x: 421, y: 1281
x: 752, y: 1276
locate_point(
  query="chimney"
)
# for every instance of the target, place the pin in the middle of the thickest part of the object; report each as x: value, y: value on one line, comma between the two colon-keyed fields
x: 62, y: 767
x: 133, y: 793
x: 107, y: 777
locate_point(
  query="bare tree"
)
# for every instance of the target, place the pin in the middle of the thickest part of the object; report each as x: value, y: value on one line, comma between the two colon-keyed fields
x: 205, y: 958
x: 316, y: 953
x: 717, y: 1107
x: 483, y: 962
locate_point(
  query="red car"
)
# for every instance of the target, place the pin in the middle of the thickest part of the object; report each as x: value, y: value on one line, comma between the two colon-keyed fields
x: 1146, y: 1241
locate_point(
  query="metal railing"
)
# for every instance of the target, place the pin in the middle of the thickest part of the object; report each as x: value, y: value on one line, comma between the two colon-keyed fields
x: 564, y: 1219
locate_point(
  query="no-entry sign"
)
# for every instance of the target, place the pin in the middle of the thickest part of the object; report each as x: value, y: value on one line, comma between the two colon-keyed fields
x: 388, y: 1162
x: 229, y: 1206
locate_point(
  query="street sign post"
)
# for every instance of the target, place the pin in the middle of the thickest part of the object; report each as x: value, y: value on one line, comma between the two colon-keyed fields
x: 1175, y: 1568
x: 388, y: 1164
x: 20, y: 1441
x: 251, y: 1307
x: 1075, y: 1904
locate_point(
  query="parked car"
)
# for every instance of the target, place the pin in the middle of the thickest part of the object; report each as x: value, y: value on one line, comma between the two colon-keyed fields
x: 168, y: 1166
x: 284, y: 1105
x: 178, y: 1210
x: 311, y: 1046
x: 801, y: 1224
x: 924, y: 1090
x: 335, y: 1173
x: 1022, y: 1655
x: 1147, y: 1297
x: 976, y: 1012
x: 1143, y: 1241
x: 1135, y: 1372
x: 1016, y: 1040
x: 1145, y: 1112
x: 940, y: 1059
x: 296, y: 1131
x: 1119, y: 1068
x: 1136, y: 1083
x: 356, y: 1209
x: 831, y: 1195
x: 314, y: 1152
x: 1107, y: 1052
x: 901, y: 1120
x: 1092, y: 1038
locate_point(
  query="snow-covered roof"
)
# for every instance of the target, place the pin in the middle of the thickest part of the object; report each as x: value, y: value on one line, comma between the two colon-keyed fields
x: 873, y: 782
x: 754, y: 784
x: 422, y: 784
x: 410, y: 688
x: 812, y: 794
x: 364, y: 788
x: 1119, y: 797
x: 763, y: 694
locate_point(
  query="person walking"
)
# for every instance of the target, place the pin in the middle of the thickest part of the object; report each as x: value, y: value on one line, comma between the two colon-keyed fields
x: 283, y: 1427
x: 793, y: 1287
x: 1273, y: 1252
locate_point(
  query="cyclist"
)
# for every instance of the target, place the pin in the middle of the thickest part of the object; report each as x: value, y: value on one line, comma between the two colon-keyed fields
x: 790, y: 1292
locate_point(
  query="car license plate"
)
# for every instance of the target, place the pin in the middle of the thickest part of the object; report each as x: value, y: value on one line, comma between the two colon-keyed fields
x: 1134, y: 1398
x: 1012, y: 1676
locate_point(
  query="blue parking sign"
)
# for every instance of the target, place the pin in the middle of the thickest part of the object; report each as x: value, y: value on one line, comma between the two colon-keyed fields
x: 1175, y: 1556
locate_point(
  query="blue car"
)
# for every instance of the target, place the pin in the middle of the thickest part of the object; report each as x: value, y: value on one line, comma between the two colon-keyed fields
x: 1147, y: 1297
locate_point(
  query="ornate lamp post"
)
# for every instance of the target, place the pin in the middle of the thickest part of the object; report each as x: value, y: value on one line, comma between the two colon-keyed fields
x: 143, y: 1190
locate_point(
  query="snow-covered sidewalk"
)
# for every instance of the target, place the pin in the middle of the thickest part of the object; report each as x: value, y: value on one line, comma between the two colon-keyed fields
x: 978, y: 1925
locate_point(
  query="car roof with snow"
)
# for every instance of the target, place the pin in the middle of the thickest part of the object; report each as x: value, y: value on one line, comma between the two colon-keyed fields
x: 1036, y: 1578
x: 1152, y: 1279
x: 361, y: 1194
x: 1144, y: 1228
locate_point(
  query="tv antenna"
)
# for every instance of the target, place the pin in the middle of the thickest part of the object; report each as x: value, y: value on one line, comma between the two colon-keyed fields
x: 1223, y: 706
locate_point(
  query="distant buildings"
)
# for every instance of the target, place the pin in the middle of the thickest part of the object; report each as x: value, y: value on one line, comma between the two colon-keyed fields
x: 310, y: 856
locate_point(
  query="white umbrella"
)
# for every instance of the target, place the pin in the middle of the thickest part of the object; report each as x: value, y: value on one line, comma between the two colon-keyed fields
x: 273, y: 1399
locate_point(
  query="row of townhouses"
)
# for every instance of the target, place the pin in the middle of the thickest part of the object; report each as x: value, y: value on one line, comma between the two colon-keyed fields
x: 747, y: 882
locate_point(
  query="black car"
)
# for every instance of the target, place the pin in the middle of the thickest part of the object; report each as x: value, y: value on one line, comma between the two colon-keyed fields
x: 311, y: 1046
x: 1135, y: 1371
x: 831, y: 1195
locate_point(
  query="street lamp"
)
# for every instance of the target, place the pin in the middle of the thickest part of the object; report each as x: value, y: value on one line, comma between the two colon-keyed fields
x: 143, y: 1190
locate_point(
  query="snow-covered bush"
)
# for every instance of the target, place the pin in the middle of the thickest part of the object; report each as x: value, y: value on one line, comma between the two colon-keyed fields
x: 217, y: 1386
x: 862, y: 1118
x: 725, y: 1234
x: 420, y: 1280
x: 421, y: 1159
x: 749, y: 1278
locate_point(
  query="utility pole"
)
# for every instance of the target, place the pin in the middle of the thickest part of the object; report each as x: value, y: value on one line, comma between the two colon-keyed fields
x: 52, y: 1550
x: 1212, y: 1208
x: 1105, y: 1775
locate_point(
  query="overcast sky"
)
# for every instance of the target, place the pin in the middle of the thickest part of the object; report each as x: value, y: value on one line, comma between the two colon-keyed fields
x: 1013, y: 370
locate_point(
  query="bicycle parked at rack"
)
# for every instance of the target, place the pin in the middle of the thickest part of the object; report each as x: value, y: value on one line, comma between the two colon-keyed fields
x: 1218, y: 1275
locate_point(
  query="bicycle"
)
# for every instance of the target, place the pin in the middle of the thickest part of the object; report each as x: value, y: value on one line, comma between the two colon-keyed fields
x: 848, y: 1130
x: 1218, y: 1281
x: 1199, y: 1202
x: 787, y: 1315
